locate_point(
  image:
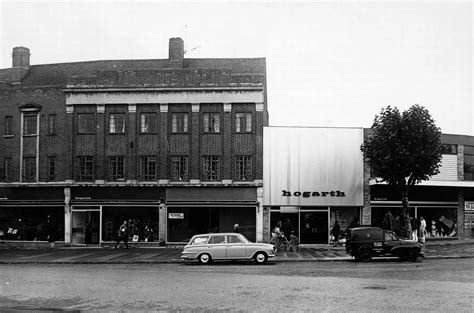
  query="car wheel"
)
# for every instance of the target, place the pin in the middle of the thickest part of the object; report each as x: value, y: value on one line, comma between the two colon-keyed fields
x: 260, y: 258
x: 204, y: 258
x: 412, y: 255
x: 364, y: 255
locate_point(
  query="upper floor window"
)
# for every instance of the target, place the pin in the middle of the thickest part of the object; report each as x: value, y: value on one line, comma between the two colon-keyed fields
x: 243, y: 122
x: 52, y: 124
x: 449, y: 149
x: 243, y: 168
x: 148, y: 168
x: 117, y: 123
x: 179, y: 122
x: 211, y: 168
x: 7, y: 167
x: 469, y: 163
x: 116, y: 168
x: 179, y: 168
x: 8, y: 126
x: 51, y: 168
x: 30, y: 123
x: 85, y: 123
x: 85, y: 168
x: 29, y: 169
x: 211, y: 122
x: 148, y: 123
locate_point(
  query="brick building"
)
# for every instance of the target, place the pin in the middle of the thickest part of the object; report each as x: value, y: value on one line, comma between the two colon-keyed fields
x: 173, y: 145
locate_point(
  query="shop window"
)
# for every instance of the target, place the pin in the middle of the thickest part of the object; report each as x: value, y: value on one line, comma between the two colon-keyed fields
x: 52, y: 121
x: 211, y: 122
x: 116, y: 123
x: 440, y: 222
x: 179, y: 122
x: 85, y: 168
x: 116, y: 168
x: 211, y: 168
x: 8, y: 130
x: 243, y: 122
x: 148, y: 168
x: 148, y: 123
x: 30, y: 125
x: 52, y: 168
x: 449, y: 149
x: 469, y: 163
x: 243, y: 168
x: 7, y: 169
x: 29, y: 169
x: 179, y: 168
x: 85, y: 123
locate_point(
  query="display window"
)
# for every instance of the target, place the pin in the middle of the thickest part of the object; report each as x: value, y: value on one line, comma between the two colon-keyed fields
x: 440, y: 222
x: 390, y: 217
x: 31, y: 223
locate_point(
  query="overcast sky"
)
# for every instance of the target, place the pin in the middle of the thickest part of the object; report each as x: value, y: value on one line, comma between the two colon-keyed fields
x: 328, y: 63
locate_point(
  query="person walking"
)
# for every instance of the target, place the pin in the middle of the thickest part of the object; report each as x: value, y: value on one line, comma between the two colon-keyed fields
x: 422, y: 229
x: 236, y: 228
x: 51, y: 232
x: 123, y: 233
x: 414, y: 228
x: 336, y: 229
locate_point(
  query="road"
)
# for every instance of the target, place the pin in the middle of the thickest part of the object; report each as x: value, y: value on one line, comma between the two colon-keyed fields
x: 426, y: 286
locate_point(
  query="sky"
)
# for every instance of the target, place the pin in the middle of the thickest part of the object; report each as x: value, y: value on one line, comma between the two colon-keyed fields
x: 329, y: 63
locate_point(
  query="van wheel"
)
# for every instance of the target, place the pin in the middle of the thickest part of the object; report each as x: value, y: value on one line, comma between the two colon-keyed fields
x: 364, y: 254
x: 204, y: 258
x: 412, y: 255
x: 260, y: 258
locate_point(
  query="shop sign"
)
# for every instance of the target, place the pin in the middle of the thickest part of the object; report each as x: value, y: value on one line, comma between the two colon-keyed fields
x: 176, y: 216
x: 307, y: 194
x: 469, y: 206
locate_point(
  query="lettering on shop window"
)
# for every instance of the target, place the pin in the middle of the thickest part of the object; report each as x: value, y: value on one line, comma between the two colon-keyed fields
x: 307, y: 194
x: 82, y: 198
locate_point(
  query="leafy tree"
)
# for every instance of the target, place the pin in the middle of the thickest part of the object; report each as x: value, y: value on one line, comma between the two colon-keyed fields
x: 403, y: 149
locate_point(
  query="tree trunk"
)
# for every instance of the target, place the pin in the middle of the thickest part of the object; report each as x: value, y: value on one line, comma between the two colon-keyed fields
x: 405, y: 218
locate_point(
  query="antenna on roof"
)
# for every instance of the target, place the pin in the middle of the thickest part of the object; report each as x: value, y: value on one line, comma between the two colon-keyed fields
x: 186, y: 40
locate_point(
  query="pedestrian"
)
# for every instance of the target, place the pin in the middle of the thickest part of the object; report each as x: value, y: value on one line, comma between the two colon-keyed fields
x: 422, y: 229
x: 414, y: 228
x: 287, y: 228
x: 51, y: 232
x: 336, y: 229
x: 236, y: 228
x: 122, y: 235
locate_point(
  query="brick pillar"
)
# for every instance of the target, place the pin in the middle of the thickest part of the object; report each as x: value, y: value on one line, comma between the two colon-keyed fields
x: 69, y: 160
x: 266, y: 224
x: 460, y: 162
x: 366, y: 209
x: 131, y: 155
x: 163, y: 174
x: 259, y: 120
x: 259, y: 218
x: 162, y: 215
x: 194, y: 155
x: 460, y: 213
x: 227, y: 164
x: 101, y: 165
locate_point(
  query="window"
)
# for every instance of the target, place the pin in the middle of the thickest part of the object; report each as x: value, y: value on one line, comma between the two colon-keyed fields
x: 8, y: 126
x: 211, y: 122
x: 179, y: 122
x: 117, y: 123
x: 199, y: 240
x: 217, y: 240
x: 469, y: 163
x: 179, y: 168
x: 85, y: 123
x: 30, y: 124
x: 116, y: 168
x: 29, y: 169
x: 52, y: 124
x: 51, y: 168
x: 7, y: 165
x: 148, y: 168
x: 449, y: 149
x: 148, y: 123
x: 243, y: 168
x: 211, y: 168
x: 389, y: 236
x: 85, y: 168
x: 233, y: 239
x: 243, y: 122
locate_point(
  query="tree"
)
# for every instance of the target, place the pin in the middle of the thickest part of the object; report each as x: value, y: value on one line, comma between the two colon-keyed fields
x: 403, y: 149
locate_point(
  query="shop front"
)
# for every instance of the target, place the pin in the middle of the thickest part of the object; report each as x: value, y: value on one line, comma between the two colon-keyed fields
x: 196, y: 210
x: 312, y: 177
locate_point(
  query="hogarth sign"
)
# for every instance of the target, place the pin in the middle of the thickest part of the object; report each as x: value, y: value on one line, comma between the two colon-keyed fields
x: 307, y: 194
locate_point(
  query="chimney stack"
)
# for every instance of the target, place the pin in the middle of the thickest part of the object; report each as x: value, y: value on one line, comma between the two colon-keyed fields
x: 176, y: 52
x: 20, y: 63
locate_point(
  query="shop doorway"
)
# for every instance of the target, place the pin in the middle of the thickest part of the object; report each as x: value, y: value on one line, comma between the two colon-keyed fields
x: 85, y: 227
x: 314, y: 227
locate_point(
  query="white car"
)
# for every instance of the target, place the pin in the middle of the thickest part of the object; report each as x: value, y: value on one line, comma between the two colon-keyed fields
x: 226, y: 246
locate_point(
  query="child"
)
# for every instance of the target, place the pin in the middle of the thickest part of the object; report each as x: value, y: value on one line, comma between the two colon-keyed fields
x: 294, y: 241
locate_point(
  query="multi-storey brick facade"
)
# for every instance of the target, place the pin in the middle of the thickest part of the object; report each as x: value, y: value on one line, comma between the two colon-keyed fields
x: 174, y: 145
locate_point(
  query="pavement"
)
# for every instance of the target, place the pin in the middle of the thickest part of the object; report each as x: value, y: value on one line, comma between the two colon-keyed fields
x: 146, y: 255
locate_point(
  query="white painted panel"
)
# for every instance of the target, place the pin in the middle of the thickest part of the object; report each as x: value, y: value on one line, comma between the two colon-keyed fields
x: 448, y: 168
x: 314, y: 160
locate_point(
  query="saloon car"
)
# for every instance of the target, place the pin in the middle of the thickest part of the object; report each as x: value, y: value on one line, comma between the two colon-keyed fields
x: 226, y: 246
x: 363, y: 243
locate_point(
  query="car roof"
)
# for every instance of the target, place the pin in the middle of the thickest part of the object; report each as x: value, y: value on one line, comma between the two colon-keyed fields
x: 217, y: 234
x: 367, y: 228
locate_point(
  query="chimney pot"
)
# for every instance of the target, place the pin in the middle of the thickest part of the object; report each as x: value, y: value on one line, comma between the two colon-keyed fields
x: 21, y: 57
x: 176, y: 52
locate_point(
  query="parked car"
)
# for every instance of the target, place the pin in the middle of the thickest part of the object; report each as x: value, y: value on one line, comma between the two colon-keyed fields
x: 367, y: 242
x: 226, y: 246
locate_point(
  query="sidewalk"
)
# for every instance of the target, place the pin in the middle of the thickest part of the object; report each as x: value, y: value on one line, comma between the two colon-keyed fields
x: 108, y: 255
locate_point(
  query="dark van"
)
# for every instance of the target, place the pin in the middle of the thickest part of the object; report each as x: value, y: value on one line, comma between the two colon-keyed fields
x: 363, y: 243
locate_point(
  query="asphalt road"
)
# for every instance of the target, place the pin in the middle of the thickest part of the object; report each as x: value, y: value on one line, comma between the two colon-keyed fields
x: 423, y: 286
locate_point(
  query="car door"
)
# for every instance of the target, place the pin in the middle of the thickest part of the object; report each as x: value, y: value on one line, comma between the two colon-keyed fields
x: 390, y: 241
x: 217, y: 247
x: 235, y: 247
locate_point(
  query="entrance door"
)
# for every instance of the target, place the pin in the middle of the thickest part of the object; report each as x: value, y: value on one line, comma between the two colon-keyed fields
x: 314, y: 227
x: 85, y: 227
